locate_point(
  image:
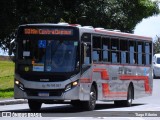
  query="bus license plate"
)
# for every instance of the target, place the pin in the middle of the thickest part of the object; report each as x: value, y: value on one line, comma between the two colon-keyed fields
x: 43, y: 94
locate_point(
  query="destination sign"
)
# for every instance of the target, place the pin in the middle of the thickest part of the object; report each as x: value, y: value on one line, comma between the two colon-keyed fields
x: 34, y: 31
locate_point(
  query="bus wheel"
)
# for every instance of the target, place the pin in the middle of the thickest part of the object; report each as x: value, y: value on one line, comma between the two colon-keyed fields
x: 128, y: 102
x: 34, y: 105
x: 90, y: 105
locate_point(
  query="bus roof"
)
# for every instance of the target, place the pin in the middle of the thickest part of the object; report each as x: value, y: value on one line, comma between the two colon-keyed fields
x: 114, y: 33
x: 90, y: 29
x: 122, y: 34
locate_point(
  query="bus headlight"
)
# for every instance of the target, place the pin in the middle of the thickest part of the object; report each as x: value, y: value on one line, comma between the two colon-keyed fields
x: 71, y: 85
x: 19, y: 84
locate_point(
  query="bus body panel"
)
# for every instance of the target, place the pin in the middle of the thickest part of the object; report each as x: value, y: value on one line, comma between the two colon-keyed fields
x: 111, y: 80
x: 117, y: 86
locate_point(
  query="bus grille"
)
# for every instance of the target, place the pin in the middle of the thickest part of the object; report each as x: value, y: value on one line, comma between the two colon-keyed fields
x: 35, y: 92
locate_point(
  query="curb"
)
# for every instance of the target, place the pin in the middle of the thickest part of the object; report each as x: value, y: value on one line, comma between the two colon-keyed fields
x: 12, y: 101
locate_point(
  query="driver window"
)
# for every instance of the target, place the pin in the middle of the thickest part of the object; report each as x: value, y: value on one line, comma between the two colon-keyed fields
x: 87, y: 54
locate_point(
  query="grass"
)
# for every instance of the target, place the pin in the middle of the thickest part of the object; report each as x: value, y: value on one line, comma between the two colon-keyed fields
x: 6, y: 79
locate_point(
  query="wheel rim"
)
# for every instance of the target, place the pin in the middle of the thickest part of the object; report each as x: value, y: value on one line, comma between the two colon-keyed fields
x: 92, y: 98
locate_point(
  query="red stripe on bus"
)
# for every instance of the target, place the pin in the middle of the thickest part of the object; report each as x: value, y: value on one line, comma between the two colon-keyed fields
x: 144, y: 78
x: 104, y: 73
x: 108, y: 93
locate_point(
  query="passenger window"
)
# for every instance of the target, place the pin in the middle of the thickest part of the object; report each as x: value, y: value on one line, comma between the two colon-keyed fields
x: 87, y: 55
x: 123, y: 57
x: 132, y: 52
x: 140, y: 47
x: 96, y: 42
x: 97, y: 52
x: 106, y: 49
x: 115, y: 57
x: 124, y: 51
x: 115, y: 50
x: 96, y: 55
x: 147, y: 53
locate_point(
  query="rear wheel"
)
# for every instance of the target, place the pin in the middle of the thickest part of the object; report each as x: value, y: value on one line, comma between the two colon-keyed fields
x: 34, y: 105
x: 128, y: 102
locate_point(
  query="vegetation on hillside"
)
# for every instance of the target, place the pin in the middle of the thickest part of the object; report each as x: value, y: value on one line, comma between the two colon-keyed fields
x: 156, y: 45
x: 6, y: 79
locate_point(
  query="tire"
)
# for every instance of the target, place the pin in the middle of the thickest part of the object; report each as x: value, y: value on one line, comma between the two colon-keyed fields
x: 128, y: 102
x: 34, y: 105
x: 90, y: 105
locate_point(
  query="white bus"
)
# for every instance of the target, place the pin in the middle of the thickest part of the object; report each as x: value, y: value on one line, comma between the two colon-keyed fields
x: 58, y: 63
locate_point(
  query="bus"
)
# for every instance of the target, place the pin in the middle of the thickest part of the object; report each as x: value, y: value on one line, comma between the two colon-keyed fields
x: 80, y: 65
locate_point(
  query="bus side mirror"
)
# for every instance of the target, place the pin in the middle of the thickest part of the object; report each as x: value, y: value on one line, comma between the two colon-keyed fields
x: 11, y: 47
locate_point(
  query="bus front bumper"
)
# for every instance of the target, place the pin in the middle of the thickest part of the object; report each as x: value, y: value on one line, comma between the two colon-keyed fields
x: 61, y: 94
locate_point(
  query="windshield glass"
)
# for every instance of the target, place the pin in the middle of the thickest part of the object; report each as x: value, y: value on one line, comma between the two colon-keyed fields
x: 158, y: 60
x: 49, y: 55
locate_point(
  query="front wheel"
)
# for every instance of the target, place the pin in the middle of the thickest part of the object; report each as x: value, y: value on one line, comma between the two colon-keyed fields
x: 34, y: 105
x: 90, y: 105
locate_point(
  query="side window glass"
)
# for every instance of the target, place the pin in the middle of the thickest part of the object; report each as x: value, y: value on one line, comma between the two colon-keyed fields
x: 87, y: 54
x: 106, y: 50
x: 115, y: 50
x: 124, y: 51
x: 140, y: 45
x: 147, y: 53
x: 97, y: 52
x: 132, y: 52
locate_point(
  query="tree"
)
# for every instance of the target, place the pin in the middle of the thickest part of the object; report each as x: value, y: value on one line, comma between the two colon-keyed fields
x: 156, y: 46
x: 111, y: 14
x: 7, y: 26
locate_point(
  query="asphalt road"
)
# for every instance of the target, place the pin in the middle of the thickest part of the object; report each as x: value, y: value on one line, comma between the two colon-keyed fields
x: 147, y: 108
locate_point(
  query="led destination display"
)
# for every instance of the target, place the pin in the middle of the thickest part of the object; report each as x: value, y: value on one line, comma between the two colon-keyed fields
x: 32, y: 31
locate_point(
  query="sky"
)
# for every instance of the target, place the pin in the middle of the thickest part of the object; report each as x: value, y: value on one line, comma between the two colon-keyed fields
x: 147, y: 27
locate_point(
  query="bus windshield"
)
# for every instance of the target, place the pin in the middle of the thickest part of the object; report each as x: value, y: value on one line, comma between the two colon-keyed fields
x: 50, y: 55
